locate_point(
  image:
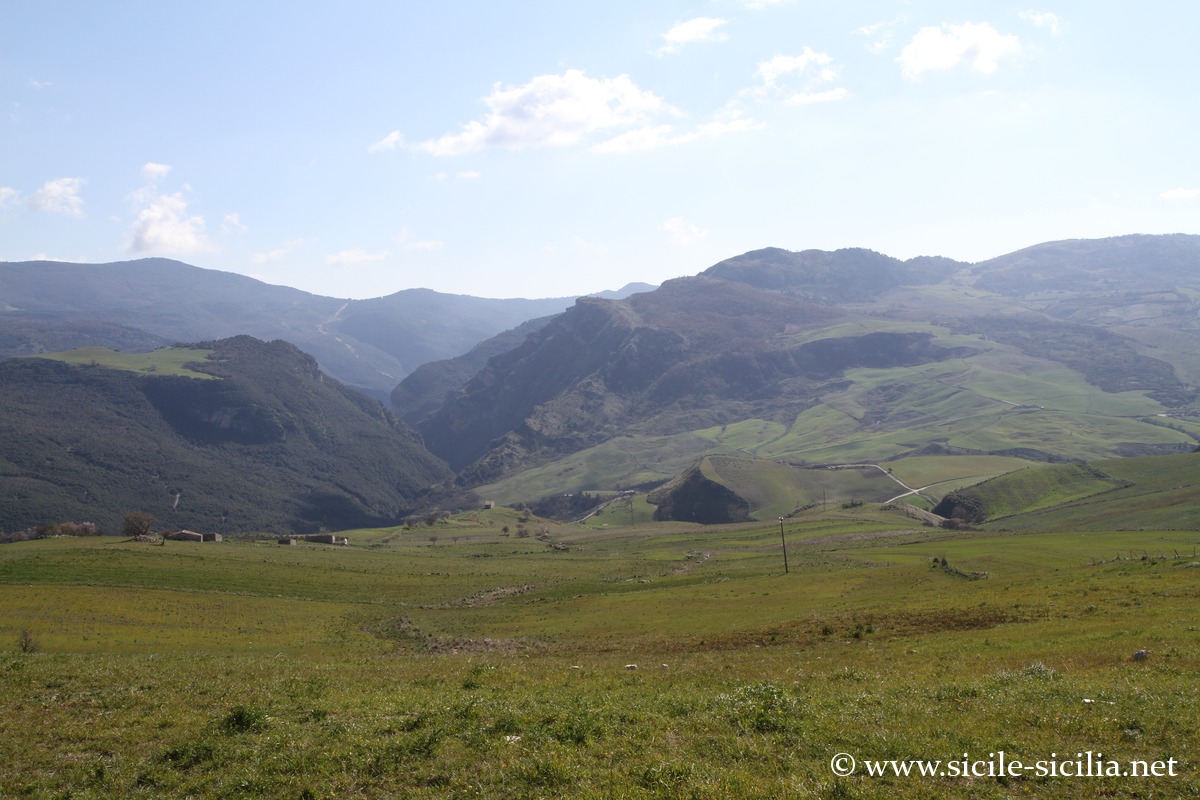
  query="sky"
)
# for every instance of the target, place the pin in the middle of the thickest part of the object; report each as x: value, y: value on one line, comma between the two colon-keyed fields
x: 549, y: 149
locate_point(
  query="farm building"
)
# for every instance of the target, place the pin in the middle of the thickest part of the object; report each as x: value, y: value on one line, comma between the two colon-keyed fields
x: 184, y: 536
x: 326, y: 538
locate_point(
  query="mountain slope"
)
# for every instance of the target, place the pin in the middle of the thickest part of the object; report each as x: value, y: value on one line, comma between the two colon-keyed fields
x: 695, y: 353
x: 252, y: 436
x: 1142, y: 493
x: 841, y: 357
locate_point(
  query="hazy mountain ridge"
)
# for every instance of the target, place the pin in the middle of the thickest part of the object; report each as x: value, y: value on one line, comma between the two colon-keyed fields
x: 368, y: 344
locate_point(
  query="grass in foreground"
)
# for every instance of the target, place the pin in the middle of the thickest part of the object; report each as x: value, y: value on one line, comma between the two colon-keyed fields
x: 491, y: 666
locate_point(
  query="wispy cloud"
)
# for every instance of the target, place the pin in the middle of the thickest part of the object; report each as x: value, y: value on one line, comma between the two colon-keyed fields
x: 279, y: 253
x: 812, y: 98
x: 1042, y: 19
x: 879, y: 35
x: 389, y: 142
x: 354, y: 256
x: 153, y: 172
x: 551, y: 111
x: 698, y: 29
x: 976, y: 44
x: 464, y: 175
x: 405, y: 240
x: 1180, y: 193
x: 163, y: 224
x: 797, y: 79
x: 682, y: 232
x: 59, y: 196
x: 232, y: 223
x: 656, y: 136
x: 9, y: 197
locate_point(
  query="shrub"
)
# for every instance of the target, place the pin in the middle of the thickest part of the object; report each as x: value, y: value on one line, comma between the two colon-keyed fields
x: 245, y: 719
x: 26, y: 643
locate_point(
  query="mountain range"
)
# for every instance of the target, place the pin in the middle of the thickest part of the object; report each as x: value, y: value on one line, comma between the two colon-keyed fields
x: 940, y: 372
x: 820, y: 357
x: 48, y: 306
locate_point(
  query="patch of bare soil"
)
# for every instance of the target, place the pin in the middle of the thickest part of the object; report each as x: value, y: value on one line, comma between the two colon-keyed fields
x: 487, y: 597
x: 858, y: 536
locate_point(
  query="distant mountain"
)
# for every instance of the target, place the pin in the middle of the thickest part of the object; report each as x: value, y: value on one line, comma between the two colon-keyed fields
x: 624, y: 291
x: 834, y: 357
x: 249, y: 436
x: 367, y: 344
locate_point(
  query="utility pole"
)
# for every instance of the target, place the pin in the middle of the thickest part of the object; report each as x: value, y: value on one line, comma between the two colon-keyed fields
x: 784, y: 541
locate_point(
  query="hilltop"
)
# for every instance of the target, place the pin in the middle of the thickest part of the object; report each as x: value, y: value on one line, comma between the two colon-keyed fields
x: 225, y: 436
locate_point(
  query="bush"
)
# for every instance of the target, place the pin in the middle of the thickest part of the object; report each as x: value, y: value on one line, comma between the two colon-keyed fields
x: 245, y: 719
x: 26, y: 643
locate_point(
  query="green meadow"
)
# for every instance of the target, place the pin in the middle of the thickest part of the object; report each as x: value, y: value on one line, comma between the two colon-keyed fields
x: 1003, y: 406
x: 462, y: 660
x: 163, y: 361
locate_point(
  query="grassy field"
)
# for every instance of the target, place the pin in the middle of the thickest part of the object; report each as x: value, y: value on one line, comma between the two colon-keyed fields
x: 454, y: 660
x: 164, y: 361
x: 993, y: 402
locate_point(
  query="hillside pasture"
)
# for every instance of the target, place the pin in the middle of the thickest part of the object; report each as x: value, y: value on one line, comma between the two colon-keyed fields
x: 163, y: 361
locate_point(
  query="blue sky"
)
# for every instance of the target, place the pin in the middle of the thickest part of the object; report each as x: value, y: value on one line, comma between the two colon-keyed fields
x: 545, y: 149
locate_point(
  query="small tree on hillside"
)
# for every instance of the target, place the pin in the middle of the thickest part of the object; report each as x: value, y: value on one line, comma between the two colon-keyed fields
x: 137, y: 524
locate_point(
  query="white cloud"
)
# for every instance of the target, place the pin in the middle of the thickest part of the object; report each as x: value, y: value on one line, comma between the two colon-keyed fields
x: 655, y: 136
x: 404, y: 239
x: 1042, y: 19
x: 880, y: 35
x: 232, y: 223
x: 271, y: 255
x: 797, y: 78
x: 974, y: 43
x: 682, y: 232
x: 810, y: 98
x: 59, y: 196
x: 647, y: 138
x: 1180, y: 193
x: 153, y: 172
x: 279, y: 253
x: 772, y: 70
x: 355, y: 256
x: 389, y: 142
x: 551, y: 111
x: 465, y: 175
x: 9, y: 196
x: 164, y: 226
x: 699, y: 29
x: 727, y: 121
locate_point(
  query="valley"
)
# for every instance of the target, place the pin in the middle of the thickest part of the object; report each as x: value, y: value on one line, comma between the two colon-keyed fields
x: 699, y: 541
